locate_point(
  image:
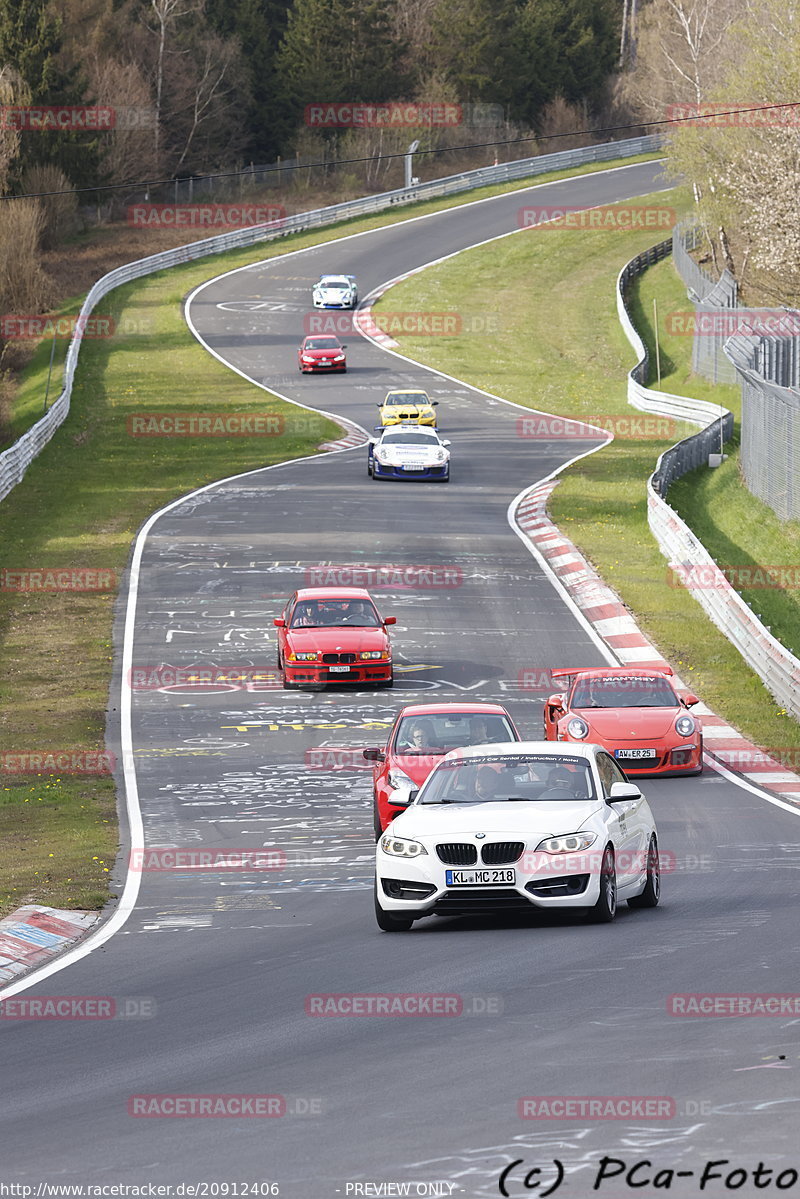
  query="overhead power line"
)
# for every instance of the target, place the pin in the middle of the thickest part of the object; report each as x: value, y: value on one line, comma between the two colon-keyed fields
x: 147, y: 184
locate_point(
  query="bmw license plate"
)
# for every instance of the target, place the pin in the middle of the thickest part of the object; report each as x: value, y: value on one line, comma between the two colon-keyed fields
x: 634, y: 753
x: 480, y: 878
x: 339, y: 669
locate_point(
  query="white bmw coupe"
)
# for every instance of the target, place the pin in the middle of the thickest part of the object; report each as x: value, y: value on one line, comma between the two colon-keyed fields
x: 528, y: 824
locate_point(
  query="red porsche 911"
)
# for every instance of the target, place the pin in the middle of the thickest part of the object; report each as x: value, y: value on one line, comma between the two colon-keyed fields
x: 420, y: 737
x: 634, y: 713
x: 321, y: 354
x: 333, y: 635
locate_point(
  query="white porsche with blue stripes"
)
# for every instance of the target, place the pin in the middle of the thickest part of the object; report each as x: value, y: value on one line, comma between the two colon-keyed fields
x: 408, y: 451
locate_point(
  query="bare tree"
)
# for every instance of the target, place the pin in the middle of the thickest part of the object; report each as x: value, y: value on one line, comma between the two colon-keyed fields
x: 166, y: 14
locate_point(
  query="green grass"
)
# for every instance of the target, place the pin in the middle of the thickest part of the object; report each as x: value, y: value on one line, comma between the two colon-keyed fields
x: 80, y: 504
x: 558, y: 345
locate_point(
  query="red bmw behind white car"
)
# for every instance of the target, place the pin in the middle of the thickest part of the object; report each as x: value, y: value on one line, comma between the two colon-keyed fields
x: 333, y: 635
x: 634, y: 713
x: 420, y: 737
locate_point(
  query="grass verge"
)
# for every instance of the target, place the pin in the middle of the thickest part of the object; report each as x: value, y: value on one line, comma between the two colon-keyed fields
x: 558, y: 346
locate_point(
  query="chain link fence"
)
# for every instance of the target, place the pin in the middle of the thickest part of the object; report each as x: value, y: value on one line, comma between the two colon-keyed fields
x: 760, y: 349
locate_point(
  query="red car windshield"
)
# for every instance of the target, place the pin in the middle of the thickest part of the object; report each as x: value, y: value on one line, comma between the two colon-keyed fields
x: 439, y: 733
x: 624, y: 691
x: 319, y: 614
x: 321, y: 343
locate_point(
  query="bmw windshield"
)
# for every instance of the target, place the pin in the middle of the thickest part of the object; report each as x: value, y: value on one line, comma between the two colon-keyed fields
x: 497, y: 778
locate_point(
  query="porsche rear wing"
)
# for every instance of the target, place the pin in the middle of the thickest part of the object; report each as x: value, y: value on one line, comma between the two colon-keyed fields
x: 567, y: 672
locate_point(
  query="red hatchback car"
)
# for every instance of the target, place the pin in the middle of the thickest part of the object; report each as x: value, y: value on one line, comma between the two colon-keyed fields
x: 333, y: 635
x: 634, y: 713
x: 318, y: 353
x: 420, y: 736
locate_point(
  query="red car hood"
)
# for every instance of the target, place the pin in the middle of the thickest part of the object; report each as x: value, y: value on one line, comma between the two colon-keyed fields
x: 323, y: 353
x: 416, y: 766
x: 641, y: 724
x: 331, y: 641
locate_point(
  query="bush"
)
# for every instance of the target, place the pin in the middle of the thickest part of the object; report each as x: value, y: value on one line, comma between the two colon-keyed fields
x: 60, y: 213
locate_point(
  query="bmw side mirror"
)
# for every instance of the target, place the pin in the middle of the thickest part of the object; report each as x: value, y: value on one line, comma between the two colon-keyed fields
x: 279, y: 622
x: 390, y: 620
x: 374, y: 755
x: 620, y: 791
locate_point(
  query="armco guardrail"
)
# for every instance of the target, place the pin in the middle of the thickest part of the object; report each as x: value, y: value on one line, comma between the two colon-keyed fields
x: 773, y: 663
x: 16, y: 460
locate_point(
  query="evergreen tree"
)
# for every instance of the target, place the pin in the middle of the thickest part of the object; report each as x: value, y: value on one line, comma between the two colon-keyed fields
x: 31, y: 42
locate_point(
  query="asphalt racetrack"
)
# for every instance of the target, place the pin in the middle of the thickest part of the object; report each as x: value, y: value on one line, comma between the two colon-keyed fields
x: 217, y: 970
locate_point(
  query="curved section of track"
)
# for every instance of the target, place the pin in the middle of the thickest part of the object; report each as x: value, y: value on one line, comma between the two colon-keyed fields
x: 229, y: 961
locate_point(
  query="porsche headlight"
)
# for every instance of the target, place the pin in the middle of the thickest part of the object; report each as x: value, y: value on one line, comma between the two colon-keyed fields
x: 399, y: 847
x: 567, y: 843
x: 440, y: 455
x: 685, y: 726
x: 381, y: 454
x: 578, y: 728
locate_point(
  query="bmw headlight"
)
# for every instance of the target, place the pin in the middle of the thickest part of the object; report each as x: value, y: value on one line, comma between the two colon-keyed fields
x: 399, y: 847
x: 309, y: 657
x: 371, y: 653
x: 398, y: 778
x: 685, y: 726
x: 578, y: 728
x: 568, y: 843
